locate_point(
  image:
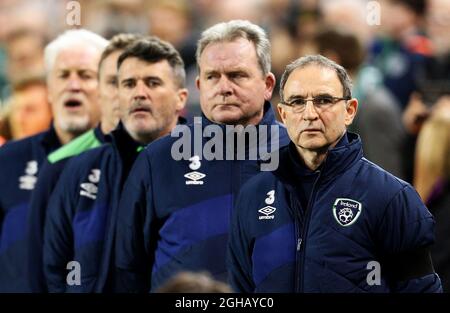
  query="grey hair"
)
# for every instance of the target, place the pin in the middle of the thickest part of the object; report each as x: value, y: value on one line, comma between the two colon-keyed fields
x: 235, y: 29
x: 68, y: 39
x: 322, y: 61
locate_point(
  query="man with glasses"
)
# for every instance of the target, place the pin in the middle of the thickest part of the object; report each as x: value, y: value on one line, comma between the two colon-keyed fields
x: 328, y: 220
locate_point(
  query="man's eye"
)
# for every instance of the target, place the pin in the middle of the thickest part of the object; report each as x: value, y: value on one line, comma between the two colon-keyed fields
x: 85, y: 76
x: 298, y: 102
x: 153, y: 83
x: 323, y: 100
x: 113, y: 82
x: 237, y: 75
x: 128, y: 84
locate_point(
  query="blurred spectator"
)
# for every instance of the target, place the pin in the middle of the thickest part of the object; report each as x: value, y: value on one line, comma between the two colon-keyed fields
x: 307, y: 24
x: 4, y: 85
x: 378, y: 120
x: 278, y: 10
x: 284, y: 50
x: 402, y: 46
x: 251, y: 10
x: 112, y: 17
x: 431, y: 80
x: 432, y: 181
x: 428, y: 115
x: 30, y: 110
x: 347, y: 14
x: 5, y: 129
x: 190, y: 282
x: 433, y: 77
x: 171, y: 21
x: 25, y: 54
x: 433, y: 154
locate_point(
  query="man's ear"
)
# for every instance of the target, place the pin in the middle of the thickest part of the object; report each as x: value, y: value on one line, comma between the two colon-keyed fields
x: 197, y: 82
x: 270, y: 85
x: 282, y: 111
x: 351, y: 109
x: 182, y: 96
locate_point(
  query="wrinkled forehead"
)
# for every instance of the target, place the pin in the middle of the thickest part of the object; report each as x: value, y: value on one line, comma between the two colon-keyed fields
x: 77, y: 57
x: 136, y: 68
x: 313, y: 80
x: 239, y: 52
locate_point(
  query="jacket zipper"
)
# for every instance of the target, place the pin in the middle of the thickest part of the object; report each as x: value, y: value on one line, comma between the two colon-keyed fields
x: 301, y: 241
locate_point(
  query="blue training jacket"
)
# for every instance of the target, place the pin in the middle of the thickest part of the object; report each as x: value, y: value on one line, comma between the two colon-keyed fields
x: 358, y: 214
x: 20, y: 164
x: 174, y: 215
x: 51, y: 169
x: 80, y: 215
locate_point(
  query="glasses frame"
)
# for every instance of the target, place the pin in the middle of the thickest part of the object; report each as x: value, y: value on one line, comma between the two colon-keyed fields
x: 314, y: 100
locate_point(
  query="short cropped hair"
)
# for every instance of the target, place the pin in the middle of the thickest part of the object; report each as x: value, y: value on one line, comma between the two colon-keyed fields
x: 152, y: 49
x: 321, y: 61
x: 116, y: 43
x: 235, y: 29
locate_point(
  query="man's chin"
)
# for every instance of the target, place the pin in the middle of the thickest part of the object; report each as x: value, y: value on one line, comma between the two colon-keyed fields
x: 228, y: 117
x: 75, y: 125
x: 313, y: 145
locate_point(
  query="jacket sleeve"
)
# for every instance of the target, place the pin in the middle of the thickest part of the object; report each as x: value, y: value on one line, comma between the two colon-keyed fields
x: 134, y: 248
x: 45, y: 185
x: 406, y: 234
x: 239, y: 248
x: 58, y: 236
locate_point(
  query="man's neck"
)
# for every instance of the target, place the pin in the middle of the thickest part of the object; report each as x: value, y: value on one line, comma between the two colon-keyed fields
x: 312, y: 158
x: 107, y: 126
x: 63, y: 136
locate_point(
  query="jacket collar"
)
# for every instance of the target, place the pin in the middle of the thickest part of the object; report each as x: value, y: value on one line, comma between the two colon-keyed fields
x: 345, y: 154
x: 49, y: 140
x: 251, y: 145
x: 122, y: 139
x: 98, y: 133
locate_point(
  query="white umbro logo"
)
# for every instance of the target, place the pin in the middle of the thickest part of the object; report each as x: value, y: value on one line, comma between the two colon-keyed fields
x: 268, y: 210
x: 195, y: 178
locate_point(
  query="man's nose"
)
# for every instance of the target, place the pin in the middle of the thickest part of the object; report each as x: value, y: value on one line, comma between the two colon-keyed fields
x: 140, y: 91
x: 225, y: 88
x: 310, y: 112
x: 74, y: 83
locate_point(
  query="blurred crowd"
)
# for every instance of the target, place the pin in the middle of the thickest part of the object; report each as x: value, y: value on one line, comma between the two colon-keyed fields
x: 397, y: 52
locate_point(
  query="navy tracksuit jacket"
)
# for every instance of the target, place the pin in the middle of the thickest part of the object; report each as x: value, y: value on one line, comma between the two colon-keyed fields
x: 20, y: 164
x: 52, y: 167
x: 174, y: 215
x: 80, y: 215
x: 356, y: 213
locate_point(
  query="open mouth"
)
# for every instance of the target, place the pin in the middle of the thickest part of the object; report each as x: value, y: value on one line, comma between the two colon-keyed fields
x: 72, y: 103
x: 141, y: 110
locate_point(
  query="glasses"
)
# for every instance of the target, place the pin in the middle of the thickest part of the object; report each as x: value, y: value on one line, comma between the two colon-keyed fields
x: 320, y: 102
